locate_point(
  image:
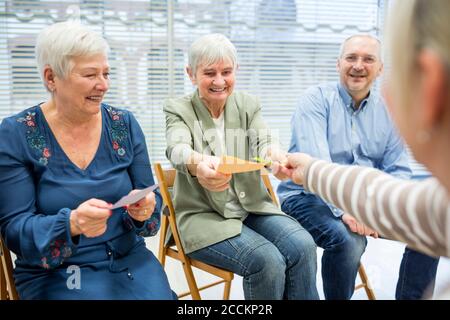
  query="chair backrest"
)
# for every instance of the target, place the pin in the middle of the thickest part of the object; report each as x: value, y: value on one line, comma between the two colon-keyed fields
x: 166, y: 179
x: 7, y: 286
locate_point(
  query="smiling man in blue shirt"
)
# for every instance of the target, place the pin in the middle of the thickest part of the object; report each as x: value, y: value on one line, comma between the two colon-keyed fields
x: 345, y: 123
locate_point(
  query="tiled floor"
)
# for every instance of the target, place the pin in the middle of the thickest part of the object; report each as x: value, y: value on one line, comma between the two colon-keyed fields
x: 381, y: 260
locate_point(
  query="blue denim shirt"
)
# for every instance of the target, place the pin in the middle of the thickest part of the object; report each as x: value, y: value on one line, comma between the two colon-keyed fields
x: 326, y: 126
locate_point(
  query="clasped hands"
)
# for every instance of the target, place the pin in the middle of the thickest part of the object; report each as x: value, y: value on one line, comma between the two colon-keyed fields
x: 91, y: 217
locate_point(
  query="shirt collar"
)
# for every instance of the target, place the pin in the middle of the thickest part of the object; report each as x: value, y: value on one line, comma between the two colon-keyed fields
x: 348, y: 101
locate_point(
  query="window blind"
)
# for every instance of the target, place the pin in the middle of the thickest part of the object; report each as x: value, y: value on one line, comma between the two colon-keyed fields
x: 284, y: 46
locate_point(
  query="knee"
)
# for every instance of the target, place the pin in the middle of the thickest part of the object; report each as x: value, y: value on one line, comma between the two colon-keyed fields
x: 353, y: 245
x: 302, y: 248
x: 268, y: 262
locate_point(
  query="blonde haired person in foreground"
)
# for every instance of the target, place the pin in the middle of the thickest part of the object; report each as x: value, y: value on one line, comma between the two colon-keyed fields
x: 419, y: 99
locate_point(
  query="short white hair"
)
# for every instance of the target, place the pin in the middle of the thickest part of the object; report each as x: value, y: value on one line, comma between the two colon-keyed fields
x: 362, y: 35
x: 210, y: 49
x: 59, y: 43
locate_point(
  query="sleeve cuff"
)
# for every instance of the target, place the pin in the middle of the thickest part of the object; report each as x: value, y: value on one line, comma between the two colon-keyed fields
x: 62, y: 248
x: 148, y: 228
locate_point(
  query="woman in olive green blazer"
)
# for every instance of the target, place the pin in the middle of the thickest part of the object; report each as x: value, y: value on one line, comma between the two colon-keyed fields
x: 230, y: 220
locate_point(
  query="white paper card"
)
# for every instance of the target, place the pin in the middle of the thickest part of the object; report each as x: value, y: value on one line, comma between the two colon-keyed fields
x: 133, y: 198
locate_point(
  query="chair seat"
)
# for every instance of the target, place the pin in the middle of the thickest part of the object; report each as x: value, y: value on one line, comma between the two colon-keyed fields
x: 218, y: 272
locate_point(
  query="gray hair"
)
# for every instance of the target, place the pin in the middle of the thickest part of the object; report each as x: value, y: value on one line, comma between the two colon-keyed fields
x: 59, y: 43
x: 413, y: 26
x: 210, y: 49
x: 362, y: 35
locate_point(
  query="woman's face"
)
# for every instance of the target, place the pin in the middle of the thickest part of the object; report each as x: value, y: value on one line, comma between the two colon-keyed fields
x: 215, y: 82
x: 85, y: 86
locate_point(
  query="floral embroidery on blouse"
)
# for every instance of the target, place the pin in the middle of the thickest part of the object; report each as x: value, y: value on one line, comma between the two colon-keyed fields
x: 119, y: 131
x: 58, y: 250
x: 150, y: 227
x: 34, y: 137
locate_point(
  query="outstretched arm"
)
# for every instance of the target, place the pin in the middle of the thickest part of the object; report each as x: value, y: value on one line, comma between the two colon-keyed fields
x: 416, y: 213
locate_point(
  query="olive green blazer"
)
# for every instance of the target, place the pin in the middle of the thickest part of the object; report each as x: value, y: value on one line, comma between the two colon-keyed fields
x: 201, y: 216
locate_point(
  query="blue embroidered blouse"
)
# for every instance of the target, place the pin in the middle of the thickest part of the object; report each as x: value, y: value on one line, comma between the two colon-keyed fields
x: 39, y: 186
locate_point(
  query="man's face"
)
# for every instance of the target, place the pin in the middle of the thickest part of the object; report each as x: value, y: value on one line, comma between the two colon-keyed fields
x: 359, y: 65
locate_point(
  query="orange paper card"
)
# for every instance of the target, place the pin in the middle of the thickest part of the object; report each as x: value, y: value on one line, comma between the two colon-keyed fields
x: 230, y: 165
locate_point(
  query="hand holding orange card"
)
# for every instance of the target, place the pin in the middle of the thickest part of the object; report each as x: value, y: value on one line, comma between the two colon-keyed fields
x: 229, y: 165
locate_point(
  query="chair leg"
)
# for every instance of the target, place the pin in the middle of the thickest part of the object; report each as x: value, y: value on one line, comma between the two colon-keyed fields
x: 226, y: 290
x: 193, y: 288
x: 3, y: 289
x: 365, y: 280
x: 162, y: 239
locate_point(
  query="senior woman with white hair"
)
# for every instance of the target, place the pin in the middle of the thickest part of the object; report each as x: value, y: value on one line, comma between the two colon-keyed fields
x: 62, y: 163
x: 230, y: 220
x: 418, y: 95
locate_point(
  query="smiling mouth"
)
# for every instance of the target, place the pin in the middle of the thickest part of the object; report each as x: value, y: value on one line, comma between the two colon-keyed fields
x: 217, y: 90
x: 95, y: 98
x: 357, y: 76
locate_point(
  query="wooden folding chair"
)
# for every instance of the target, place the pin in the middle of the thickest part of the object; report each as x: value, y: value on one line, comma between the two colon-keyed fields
x: 166, y: 179
x: 7, y: 286
x: 361, y: 271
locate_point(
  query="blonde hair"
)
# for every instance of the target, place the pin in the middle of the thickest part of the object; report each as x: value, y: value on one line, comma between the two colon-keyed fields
x: 59, y: 43
x: 210, y: 49
x: 415, y: 25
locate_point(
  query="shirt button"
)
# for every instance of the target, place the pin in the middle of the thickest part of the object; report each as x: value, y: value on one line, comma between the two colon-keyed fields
x: 242, y: 194
x: 109, y: 253
x: 130, y: 275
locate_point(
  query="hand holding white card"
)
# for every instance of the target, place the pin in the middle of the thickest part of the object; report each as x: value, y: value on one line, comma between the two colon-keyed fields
x: 135, y: 197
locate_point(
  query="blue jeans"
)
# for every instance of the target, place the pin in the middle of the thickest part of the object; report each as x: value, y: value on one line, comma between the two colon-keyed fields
x: 275, y: 256
x: 417, y: 276
x: 342, y: 248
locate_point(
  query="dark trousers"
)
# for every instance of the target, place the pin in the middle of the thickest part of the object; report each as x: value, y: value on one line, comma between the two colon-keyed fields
x: 342, y: 248
x: 417, y: 276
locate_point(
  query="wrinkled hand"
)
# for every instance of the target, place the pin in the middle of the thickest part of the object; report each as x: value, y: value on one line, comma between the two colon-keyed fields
x: 357, y: 227
x: 143, y: 209
x: 90, y: 218
x: 209, y: 178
